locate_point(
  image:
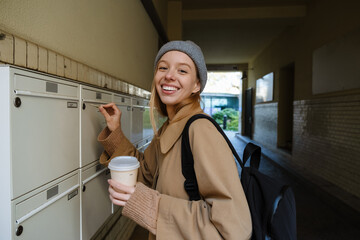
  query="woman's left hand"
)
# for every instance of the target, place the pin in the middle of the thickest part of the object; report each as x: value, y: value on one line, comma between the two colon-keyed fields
x: 119, y: 193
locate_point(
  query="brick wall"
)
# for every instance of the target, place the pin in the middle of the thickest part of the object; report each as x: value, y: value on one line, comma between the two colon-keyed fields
x: 326, y: 139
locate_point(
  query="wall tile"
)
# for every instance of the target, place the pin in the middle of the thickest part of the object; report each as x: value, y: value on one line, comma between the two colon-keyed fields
x: 93, y: 78
x: 32, y: 56
x: 43, y: 59
x: 100, y: 79
x: 60, y: 65
x: 51, y: 62
x: 117, y: 84
x: 70, y: 67
x: 327, y: 139
x: 131, y: 89
x: 20, y: 52
x: 74, y: 69
x: 67, y: 67
x: 124, y: 87
x: 108, y: 82
x: 82, y: 73
x: 6, y: 47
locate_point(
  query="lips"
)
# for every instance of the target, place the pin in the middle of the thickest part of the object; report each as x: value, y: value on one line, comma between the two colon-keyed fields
x: 169, y: 89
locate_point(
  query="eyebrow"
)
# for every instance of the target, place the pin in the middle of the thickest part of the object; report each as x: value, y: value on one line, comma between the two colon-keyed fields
x: 180, y: 63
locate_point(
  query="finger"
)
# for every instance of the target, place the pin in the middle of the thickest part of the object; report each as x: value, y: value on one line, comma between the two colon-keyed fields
x: 109, y: 110
x: 109, y: 105
x: 117, y: 202
x: 116, y: 110
x: 119, y: 195
x: 112, y: 109
x: 104, y: 112
x: 121, y: 187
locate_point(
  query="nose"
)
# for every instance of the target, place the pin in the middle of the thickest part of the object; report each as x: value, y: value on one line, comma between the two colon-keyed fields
x: 170, y: 75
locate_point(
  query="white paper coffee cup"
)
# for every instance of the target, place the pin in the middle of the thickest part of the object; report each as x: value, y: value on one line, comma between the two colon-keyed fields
x: 124, y: 169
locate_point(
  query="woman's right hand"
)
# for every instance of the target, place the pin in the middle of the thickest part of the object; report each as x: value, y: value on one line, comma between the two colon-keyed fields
x: 112, y: 115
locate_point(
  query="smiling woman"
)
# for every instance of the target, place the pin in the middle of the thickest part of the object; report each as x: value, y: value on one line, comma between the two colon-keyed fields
x: 159, y: 201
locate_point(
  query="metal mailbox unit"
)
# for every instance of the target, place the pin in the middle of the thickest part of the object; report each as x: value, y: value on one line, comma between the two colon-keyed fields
x: 52, y: 184
x: 137, y: 121
x: 40, y: 146
x: 96, y: 206
x: 44, y: 127
x: 52, y: 213
x: 95, y: 203
x: 92, y: 122
x: 124, y: 104
x: 141, y: 130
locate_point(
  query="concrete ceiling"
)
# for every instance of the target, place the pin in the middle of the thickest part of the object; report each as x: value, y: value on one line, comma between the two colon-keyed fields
x: 236, y: 31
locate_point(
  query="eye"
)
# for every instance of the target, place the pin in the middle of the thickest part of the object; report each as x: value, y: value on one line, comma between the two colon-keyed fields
x: 182, y: 71
x: 162, y: 68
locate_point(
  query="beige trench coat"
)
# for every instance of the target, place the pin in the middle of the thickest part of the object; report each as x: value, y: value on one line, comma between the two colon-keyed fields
x: 223, y: 212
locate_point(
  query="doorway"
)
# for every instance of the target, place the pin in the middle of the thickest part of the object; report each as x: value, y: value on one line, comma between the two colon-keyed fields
x: 285, y: 107
x: 221, y: 100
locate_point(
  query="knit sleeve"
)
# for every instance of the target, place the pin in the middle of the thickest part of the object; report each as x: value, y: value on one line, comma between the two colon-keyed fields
x: 110, y: 140
x: 142, y: 207
x: 115, y: 144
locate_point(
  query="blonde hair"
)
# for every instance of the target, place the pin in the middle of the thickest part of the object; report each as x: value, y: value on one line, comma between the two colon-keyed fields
x: 157, y: 105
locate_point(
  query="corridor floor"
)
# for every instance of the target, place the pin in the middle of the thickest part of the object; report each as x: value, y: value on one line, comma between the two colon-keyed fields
x: 316, y: 218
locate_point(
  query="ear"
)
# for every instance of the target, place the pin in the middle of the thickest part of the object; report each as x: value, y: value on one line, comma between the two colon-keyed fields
x: 196, y: 87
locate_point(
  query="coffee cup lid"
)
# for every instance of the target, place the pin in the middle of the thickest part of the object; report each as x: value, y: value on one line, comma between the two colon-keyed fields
x: 124, y: 163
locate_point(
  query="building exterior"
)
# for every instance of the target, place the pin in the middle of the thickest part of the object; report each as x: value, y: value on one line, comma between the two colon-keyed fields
x: 214, y: 102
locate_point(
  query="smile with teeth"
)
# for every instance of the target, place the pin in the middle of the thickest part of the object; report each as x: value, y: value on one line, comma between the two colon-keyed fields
x: 169, y: 88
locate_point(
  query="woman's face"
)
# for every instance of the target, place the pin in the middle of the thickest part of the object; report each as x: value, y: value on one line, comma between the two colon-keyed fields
x: 175, y: 78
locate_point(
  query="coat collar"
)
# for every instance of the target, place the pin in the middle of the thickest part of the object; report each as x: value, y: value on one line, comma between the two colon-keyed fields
x: 173, y: 129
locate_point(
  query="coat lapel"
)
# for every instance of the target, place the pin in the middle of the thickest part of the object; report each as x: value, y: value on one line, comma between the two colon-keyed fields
x: 175, y: 127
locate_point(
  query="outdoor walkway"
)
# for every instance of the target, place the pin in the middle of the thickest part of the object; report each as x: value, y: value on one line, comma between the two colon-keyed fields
x: 318, y: 217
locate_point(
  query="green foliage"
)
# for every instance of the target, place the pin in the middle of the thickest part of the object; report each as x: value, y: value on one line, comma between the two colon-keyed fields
x: 232, y: 118
x: 146, y: 119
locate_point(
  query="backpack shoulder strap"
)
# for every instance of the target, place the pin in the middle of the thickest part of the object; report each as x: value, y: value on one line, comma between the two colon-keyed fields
x: 253, y: 152
x: 187, y: 160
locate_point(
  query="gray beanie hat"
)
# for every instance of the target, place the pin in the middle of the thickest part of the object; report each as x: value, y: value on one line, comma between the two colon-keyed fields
x: 193, y: 51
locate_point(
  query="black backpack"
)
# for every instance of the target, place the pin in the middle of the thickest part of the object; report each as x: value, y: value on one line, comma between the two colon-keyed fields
x: 271, y: 203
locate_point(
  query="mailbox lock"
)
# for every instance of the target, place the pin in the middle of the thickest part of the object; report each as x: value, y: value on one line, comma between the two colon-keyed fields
x: 84, y: 188
x: 17, y: 102
x: 19, y: 230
